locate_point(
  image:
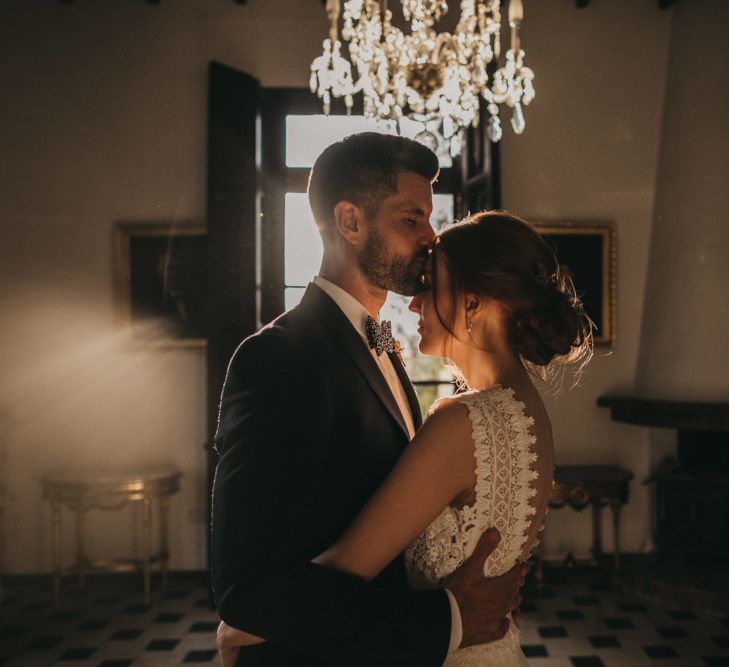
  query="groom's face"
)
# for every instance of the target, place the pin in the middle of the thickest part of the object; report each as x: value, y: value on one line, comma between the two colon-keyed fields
x: 399, y: 237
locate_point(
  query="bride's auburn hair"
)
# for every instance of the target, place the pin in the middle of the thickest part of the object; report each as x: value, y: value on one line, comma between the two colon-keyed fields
x: 496, y: 255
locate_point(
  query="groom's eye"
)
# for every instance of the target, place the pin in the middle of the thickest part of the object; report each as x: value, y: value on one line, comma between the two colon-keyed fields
x: 410, y: 222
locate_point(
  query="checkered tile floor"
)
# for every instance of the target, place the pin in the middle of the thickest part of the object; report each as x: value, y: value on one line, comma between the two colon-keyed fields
x: 579, y: 621
x: 576, y: 621
x: 108, y: 625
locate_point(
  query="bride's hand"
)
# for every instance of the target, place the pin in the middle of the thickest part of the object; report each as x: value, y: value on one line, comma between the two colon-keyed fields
x: 229, y: 642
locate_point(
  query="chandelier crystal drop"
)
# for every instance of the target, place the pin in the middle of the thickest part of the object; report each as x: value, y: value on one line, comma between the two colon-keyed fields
x: 425, y: 75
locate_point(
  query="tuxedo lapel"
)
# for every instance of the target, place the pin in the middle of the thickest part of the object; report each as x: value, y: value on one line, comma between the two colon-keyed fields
x: 372, y: 373
x: 342, y: 334
x: 409, y: 390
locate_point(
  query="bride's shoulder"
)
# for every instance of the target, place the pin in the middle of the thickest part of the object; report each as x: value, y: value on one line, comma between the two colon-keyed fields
x: 463, y: 406
x: 447, y: 426
x: 498, y: 398
x: 475, y: 406
x: 448, y: 414
x: 443, y: 407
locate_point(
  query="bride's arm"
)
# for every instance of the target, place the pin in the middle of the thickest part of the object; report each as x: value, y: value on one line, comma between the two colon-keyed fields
x: 434, y: 469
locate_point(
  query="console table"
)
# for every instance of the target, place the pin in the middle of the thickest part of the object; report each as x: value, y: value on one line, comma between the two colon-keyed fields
x: 106, y: 489
x: 597, y: 486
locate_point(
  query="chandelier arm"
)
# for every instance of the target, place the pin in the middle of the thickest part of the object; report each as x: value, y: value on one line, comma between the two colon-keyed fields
x: 440, y: 41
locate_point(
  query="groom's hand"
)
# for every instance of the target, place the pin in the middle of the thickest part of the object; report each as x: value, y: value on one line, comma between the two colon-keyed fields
x: 485, y: 603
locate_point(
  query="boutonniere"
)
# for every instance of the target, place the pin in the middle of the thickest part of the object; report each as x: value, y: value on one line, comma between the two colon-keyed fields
x: 397, y: 349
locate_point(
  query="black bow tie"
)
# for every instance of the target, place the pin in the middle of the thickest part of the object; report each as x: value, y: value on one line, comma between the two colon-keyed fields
x: 379, y: 336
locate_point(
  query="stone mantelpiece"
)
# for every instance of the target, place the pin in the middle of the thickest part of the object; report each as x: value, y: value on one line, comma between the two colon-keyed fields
x: 681, y: 415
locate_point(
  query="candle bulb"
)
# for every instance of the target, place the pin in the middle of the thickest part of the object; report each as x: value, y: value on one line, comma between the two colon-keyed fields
x: 516, y: 12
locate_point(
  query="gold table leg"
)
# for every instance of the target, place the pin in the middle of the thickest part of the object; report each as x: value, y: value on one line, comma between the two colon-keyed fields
x: 2, y: 547
x: 596, y: 531
x: 56, y: 550
x: 539, y: 570
x: 147, y: 545
x: 615, y: 506
x: 81, y: 560
x: 164, y: 552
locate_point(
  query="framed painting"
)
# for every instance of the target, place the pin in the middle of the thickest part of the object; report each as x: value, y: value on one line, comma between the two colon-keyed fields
x: 160, y: 282
x: 588, y: 250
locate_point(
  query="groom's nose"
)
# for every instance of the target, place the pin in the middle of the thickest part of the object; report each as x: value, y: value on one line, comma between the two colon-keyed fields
x: 428, y: 234
x: 414, y: 305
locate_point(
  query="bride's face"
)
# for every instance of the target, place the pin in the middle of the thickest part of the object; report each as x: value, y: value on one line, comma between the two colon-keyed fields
x: 434, y: 336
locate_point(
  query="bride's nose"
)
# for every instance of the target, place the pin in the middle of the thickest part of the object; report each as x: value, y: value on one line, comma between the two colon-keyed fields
x: 415, y: 302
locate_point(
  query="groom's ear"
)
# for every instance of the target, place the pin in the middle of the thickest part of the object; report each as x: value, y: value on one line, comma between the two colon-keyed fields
x: 349, y: 219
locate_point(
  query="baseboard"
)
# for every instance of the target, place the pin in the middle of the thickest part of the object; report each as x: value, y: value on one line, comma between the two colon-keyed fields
x: 195, y: 576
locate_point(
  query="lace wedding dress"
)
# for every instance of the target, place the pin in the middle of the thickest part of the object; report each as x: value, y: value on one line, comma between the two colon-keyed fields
x: 505, y: 461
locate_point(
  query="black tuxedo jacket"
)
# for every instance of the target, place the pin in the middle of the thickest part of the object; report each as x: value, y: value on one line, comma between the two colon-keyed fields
x: 308, y: 429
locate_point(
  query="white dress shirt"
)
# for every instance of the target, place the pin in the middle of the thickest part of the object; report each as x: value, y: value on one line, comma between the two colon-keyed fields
x: 357, y: 314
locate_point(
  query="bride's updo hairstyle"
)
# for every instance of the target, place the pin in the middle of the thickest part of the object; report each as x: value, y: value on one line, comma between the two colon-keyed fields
x: 495, y: 255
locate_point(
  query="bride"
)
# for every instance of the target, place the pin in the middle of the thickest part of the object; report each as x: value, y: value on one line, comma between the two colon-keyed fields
x: 495, y: 302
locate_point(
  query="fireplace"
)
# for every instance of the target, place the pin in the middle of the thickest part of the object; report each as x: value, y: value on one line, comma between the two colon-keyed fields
x: 691, y: 493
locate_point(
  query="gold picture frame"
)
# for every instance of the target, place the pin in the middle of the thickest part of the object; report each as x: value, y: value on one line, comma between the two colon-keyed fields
x: 588, y: 249
x: 160, y: 282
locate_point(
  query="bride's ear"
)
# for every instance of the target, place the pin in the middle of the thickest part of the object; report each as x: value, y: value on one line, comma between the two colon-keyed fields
x: 481, y: 309
x: 473, y: 304
x: 348, y: 220
x: 478, y: 308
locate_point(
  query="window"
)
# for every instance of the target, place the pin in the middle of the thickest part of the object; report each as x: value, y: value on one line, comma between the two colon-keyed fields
x: 307, y: 135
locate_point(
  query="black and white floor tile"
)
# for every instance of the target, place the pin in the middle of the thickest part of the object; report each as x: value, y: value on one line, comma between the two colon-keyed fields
x: 108, y: 625
x: 583, y: 622
x: 576, y: 621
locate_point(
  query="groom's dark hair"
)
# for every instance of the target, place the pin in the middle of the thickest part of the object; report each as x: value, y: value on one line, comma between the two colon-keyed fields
x: 363, y: 168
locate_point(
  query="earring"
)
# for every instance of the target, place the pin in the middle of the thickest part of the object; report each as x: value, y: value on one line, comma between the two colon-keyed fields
x: 469, y: 326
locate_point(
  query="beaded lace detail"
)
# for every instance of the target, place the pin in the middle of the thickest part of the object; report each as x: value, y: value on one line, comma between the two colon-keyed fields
x: 505, y: 458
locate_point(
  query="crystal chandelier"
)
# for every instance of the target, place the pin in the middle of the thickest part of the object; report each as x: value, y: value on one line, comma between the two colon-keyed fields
x: 437, y: 79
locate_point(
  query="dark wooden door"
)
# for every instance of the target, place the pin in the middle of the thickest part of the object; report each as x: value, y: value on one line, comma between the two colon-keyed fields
x: 480, y: 172
x: 232, y: 216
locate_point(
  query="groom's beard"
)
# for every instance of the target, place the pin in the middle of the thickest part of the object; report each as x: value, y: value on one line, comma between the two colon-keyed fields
x: 394, y: 273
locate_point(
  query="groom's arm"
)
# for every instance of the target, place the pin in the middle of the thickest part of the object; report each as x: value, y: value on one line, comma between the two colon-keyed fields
x: 273, y: 438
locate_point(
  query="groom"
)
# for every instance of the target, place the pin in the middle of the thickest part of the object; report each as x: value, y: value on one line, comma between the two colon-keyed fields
x: 311, y: 421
